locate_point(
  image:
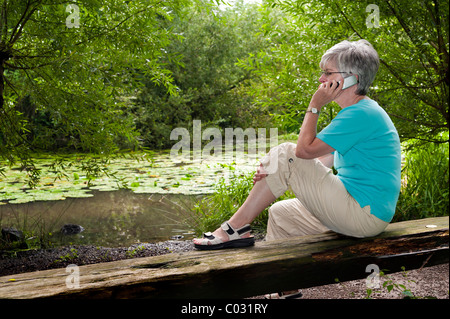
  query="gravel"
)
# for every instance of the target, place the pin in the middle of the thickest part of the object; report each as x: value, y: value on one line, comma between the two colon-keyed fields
x: 421, y: 283
x: 428, y: 282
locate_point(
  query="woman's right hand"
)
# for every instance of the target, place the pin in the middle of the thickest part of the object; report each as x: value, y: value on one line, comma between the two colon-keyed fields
x: 327, y: 92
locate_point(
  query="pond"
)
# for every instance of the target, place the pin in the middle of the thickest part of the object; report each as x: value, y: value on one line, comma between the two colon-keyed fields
x: 110, y: 218
x: 142, y: 173
x: 156, y: 206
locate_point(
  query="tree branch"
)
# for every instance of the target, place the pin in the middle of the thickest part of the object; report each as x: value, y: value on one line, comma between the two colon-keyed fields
x: 23, y: 20
x: 113, y: 27
x: 391, y: 70
x: 4, y: 21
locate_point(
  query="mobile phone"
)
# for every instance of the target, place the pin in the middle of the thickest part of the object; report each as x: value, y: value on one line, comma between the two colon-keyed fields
x: 349, y: 81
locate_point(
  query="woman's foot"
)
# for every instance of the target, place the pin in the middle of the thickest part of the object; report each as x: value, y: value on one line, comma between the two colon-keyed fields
x: 226, y: 236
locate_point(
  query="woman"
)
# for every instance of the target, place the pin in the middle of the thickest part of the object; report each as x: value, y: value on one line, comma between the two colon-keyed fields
x: 362, y: 144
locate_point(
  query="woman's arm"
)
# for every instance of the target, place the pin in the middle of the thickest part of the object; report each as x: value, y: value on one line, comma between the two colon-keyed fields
x: 308, y: 146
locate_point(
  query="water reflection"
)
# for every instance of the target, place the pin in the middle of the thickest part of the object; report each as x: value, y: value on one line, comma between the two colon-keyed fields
x: 111, y: 219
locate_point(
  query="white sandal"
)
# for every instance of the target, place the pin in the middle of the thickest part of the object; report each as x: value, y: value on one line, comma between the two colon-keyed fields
x: 210, y: 242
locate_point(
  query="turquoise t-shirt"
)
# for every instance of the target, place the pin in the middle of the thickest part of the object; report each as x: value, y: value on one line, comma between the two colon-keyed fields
x: 367, y: 157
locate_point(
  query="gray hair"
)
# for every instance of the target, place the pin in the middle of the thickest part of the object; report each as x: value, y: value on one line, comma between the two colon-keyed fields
x: 358, y: 57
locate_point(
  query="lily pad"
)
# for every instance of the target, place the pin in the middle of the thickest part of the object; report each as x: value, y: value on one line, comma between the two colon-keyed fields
x: 142, y: 173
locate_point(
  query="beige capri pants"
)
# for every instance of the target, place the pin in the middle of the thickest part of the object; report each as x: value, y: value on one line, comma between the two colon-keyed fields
x: 322, y: 202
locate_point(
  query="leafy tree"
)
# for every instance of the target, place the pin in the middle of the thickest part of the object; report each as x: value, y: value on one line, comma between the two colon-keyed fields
x: 209, y: 82
x: 66, y: 67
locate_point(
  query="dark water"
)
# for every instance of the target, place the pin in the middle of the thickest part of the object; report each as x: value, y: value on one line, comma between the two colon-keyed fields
x: 111, y: 219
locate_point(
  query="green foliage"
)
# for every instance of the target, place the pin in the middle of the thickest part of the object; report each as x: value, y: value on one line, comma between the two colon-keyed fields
x: 425, y: 180
x: 213, y: 210
x: 209, y: 82
x: 391, y: 285
x: 36, y: 235
x: 70, y: 256
x: 65, y: 87
x: 412, y: 41
x: 288, y: 73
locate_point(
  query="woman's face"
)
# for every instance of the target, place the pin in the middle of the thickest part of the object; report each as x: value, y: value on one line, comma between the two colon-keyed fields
x: 330, y: 73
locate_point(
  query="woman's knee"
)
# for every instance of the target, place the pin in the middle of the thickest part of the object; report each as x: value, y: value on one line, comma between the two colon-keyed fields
x: 275, y: 209
x: 281, y: 209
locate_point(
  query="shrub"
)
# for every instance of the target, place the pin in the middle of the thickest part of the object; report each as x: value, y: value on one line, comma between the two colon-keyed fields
x: 425, y: 183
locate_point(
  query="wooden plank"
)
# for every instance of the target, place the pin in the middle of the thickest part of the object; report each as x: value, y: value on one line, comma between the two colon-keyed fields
x: 292, y: 263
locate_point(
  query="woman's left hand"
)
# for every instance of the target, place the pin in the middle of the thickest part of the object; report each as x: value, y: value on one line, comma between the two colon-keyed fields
x: 260, y: 174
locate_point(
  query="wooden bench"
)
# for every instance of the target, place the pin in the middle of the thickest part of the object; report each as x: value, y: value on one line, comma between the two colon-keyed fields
x: 293, y: 263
